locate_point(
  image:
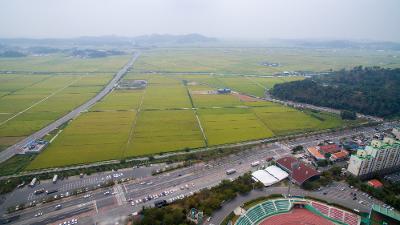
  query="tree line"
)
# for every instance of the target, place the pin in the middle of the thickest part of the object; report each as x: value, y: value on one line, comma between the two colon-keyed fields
x: 370, y: 90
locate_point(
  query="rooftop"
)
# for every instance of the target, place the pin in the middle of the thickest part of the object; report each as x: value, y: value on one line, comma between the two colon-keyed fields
x: 300, y: 174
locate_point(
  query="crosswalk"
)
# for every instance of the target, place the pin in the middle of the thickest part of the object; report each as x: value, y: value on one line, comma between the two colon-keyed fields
x: 120, y: 195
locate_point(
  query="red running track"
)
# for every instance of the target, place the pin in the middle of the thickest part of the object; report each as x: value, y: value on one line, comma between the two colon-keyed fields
x: 296, y: 217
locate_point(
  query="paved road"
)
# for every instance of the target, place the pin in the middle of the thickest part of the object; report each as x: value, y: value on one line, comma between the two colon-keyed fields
x: 104, y: 207
x: 16, y: 148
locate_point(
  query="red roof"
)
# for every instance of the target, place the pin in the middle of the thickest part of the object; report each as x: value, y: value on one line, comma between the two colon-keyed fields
x: 329, y: 149
x: 340, y: 155
x: 375, y: 183
x: 301, y: 174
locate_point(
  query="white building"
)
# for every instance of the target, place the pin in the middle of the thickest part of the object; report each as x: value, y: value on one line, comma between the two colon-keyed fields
x: 379, y: 157
x: 270, y: 175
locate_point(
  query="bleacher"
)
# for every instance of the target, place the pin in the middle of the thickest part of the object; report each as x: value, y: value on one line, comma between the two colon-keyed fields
x: 263, y: 210
x: 282, y: 205
x: 272, y: 207
x: 256, y: 213
x: 243, y: 220
x: 269, y: 207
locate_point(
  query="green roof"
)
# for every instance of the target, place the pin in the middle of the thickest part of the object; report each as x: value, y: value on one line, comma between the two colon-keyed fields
x: 390, y: 213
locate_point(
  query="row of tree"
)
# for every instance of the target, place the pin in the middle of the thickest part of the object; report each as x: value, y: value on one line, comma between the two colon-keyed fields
x: 370, y: 90
x: 206, y: 201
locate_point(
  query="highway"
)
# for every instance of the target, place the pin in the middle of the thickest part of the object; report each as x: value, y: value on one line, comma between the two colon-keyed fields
x: 16, y: 148
x: 114, y: 202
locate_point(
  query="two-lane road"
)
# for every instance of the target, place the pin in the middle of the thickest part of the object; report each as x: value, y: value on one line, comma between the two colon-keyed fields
x: 16, y: 148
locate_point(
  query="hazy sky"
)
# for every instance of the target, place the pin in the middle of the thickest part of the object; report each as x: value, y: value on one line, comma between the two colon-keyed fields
x: 258, y: 19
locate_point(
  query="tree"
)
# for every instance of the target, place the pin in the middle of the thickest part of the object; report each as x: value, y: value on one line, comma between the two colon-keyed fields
x: 348, y: 115
x: 297, y: 149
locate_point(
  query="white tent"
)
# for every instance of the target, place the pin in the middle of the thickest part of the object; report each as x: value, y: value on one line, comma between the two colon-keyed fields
x: 264, y: 177
x: 277, y: 172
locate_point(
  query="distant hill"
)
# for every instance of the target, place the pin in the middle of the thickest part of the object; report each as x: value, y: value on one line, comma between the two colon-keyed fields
x: 165, y: 39
x: 338, y: 44
x: 11, y: 54
x: 146, y: 40
x: 373, y: 91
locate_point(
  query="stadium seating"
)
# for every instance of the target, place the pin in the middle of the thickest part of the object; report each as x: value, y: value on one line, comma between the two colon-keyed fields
x: 243, y: 220
x: 269, y: 207
x: 282, y: 205
x: 256, y: 213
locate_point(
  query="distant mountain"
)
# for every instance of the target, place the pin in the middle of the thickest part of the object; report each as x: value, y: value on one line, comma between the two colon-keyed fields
x: 165, y: 39
x: 145, y: 41
x: 11, y: 54
x: 339, y: 44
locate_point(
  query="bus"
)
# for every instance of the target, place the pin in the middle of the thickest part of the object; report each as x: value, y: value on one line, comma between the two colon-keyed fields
x: 33, y: 182
x: 230, y: 171
x: 55, y: 177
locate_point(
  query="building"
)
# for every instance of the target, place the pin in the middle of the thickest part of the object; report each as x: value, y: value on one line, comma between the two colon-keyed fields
x: 375, y: 183
x: 329, y: 149
x: 381, y: 156
x: 339, y: 156
x: 224, y: 91
x: 299, y: 171
x: 380, y: 215
x: 335, y: 152
x: 270, y: 175
x: 314, y: 152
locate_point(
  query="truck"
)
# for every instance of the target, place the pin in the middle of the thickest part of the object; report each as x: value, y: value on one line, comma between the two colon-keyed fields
x: 55, y: 177
x: 230, y: 171
x: 33, y: 182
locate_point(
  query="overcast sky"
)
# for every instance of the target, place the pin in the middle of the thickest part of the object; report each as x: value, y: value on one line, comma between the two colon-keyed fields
x: 249, y: 19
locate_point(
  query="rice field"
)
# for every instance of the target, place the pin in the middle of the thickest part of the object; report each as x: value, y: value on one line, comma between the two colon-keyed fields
x: 43, y: 88
x: 92, y: 137
x: 175, y: 111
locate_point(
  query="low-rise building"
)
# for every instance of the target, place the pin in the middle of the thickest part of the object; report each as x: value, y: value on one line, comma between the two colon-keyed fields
x: 299, y: 171
x: 381, y: 156
x: 339, y: 156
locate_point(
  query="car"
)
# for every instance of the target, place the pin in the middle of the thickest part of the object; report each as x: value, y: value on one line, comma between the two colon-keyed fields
x: 57, y: 207
x: 107, y: 193
x: 209, y: 219
x: 132, y: 203
x: 325, y: 193
x: 354, y: 198
x: 342, y: 189
x: 38, y: 214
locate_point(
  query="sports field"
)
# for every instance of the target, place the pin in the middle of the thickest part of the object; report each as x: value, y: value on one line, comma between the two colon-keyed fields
x: 40, y: 89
